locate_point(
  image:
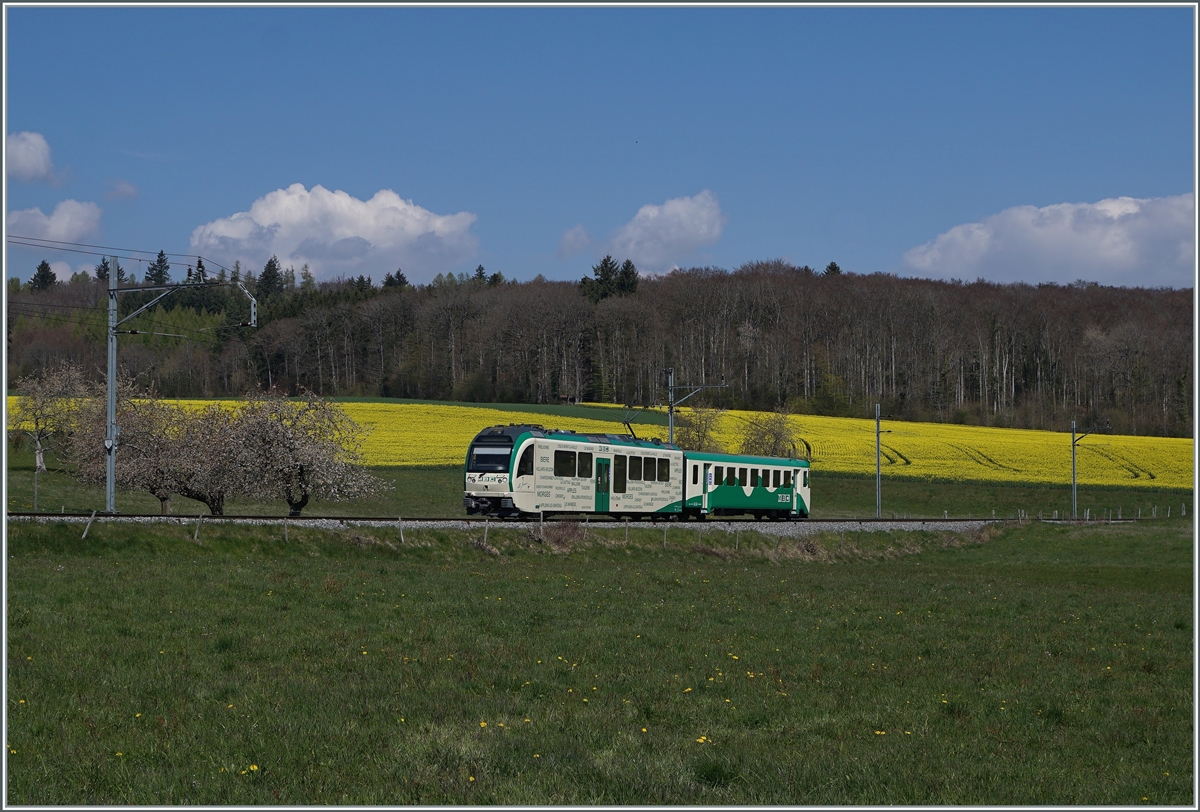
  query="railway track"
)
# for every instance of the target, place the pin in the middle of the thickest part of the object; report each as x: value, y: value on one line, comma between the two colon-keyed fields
x: 472, y: 521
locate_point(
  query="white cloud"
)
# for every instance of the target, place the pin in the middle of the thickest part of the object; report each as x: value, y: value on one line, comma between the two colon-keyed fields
x: 70, y: 221
x: 339, y: 234
x: 27, y: 157
x: 122, y: 190
x: 1119, y: 241
x: 62, y: 271
x: 661, y: 236
x: 574, y: 241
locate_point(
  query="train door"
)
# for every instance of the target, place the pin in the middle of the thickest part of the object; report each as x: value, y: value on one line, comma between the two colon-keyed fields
x: 602, y: 486
x: 523, y: 481
x: 707, y: 481
x: 795, y: 490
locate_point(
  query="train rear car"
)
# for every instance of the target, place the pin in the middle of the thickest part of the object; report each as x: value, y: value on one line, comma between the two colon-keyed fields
x: 730, y: 484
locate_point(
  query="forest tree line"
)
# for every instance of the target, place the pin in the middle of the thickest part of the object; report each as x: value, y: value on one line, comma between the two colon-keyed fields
x: 779, y: 336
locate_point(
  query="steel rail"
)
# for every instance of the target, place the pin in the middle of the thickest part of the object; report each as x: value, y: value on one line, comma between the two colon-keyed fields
x: 512, y: 519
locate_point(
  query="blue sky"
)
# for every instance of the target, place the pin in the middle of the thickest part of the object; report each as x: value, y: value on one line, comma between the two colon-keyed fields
x: 1035, y: 144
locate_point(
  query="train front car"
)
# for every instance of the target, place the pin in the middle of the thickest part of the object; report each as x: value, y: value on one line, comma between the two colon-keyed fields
x: 488, y: 475
x: 530, y: 471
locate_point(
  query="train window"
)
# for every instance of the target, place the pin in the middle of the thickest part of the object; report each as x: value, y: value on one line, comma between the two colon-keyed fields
x: 619, y: 473
x: 525, y: 466
x: 564, y: 463
x: 787, y: 479
x: 695, y: 474
x: 754, y: 482
x: 664, y: 470
x: 806, y: 479
x: 489, y: 459
x: 720, y: 476
x: 775, y: 477
x: 585, y: 463
x: 731, y: 475
x: 635, y: 468
x: 742, y: 477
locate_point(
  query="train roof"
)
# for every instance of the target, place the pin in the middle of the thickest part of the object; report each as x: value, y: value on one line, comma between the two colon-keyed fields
x: 745, y: 459
x: 505, y: 435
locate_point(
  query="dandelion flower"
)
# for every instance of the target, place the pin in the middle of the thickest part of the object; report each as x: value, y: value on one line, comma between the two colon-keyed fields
x: 643, y: 730
x: 253, y: 767
x: 685, y: 690
x: 471, y: 778
x: 483, y: 724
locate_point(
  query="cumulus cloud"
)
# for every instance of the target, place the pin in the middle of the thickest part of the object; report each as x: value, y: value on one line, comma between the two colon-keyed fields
x: 338, y: 234
x: 574, y: 241
x: 661, y: 236
x: 1119, y: 241
x: 122, y: 190
x: 70, y: 221
x: 27, y: 157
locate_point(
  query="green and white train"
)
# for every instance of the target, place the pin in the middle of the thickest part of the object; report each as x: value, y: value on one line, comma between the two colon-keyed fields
x: 524, y: 470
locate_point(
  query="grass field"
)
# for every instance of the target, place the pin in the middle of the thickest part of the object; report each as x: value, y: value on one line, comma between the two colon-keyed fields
x: 437, y: 491
x: 1040, y: 664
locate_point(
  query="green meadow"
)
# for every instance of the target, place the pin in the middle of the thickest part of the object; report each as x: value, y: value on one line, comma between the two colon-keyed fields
x: 1031, y: 664
x: 437, y: 492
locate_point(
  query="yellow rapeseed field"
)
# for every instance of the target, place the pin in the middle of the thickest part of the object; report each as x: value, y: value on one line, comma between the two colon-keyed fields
x: 404, y: 434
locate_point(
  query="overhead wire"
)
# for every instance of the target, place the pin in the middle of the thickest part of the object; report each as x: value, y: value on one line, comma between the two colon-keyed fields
x: 55, y: 245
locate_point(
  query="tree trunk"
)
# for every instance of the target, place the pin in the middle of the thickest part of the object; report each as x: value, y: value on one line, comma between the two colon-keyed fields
x: 296, y: 505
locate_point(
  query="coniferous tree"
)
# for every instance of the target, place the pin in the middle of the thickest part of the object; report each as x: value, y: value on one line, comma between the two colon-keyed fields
x: 270, y: 281
x: 236, y: 274
x: 159, y: 271
x: 627, y: 279
x: 43, y: 277
x: 201, y: 275
x: 307, y: 282
x: 480, y: 276
x: 103, y: 268
x: 832, y: 269
x: 604, y: 281
x: 399, y: 280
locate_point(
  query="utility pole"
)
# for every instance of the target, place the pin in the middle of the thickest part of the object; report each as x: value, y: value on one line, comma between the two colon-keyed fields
x: 1075, y: 439
x: 113, y: 430
x: 672, y: 402
x: 110, y: 434
x: 878, y: 475
x: 1074, y: 492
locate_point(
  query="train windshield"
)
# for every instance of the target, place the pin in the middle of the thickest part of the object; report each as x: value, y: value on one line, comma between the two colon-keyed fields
x: 485, y: 459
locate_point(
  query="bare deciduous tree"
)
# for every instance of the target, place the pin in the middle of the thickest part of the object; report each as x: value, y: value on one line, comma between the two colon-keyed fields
x: 147, y: 456
x: 769, y: 435
x: 301, y: 450
x: 695, y: 429
x: 45, y: 407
